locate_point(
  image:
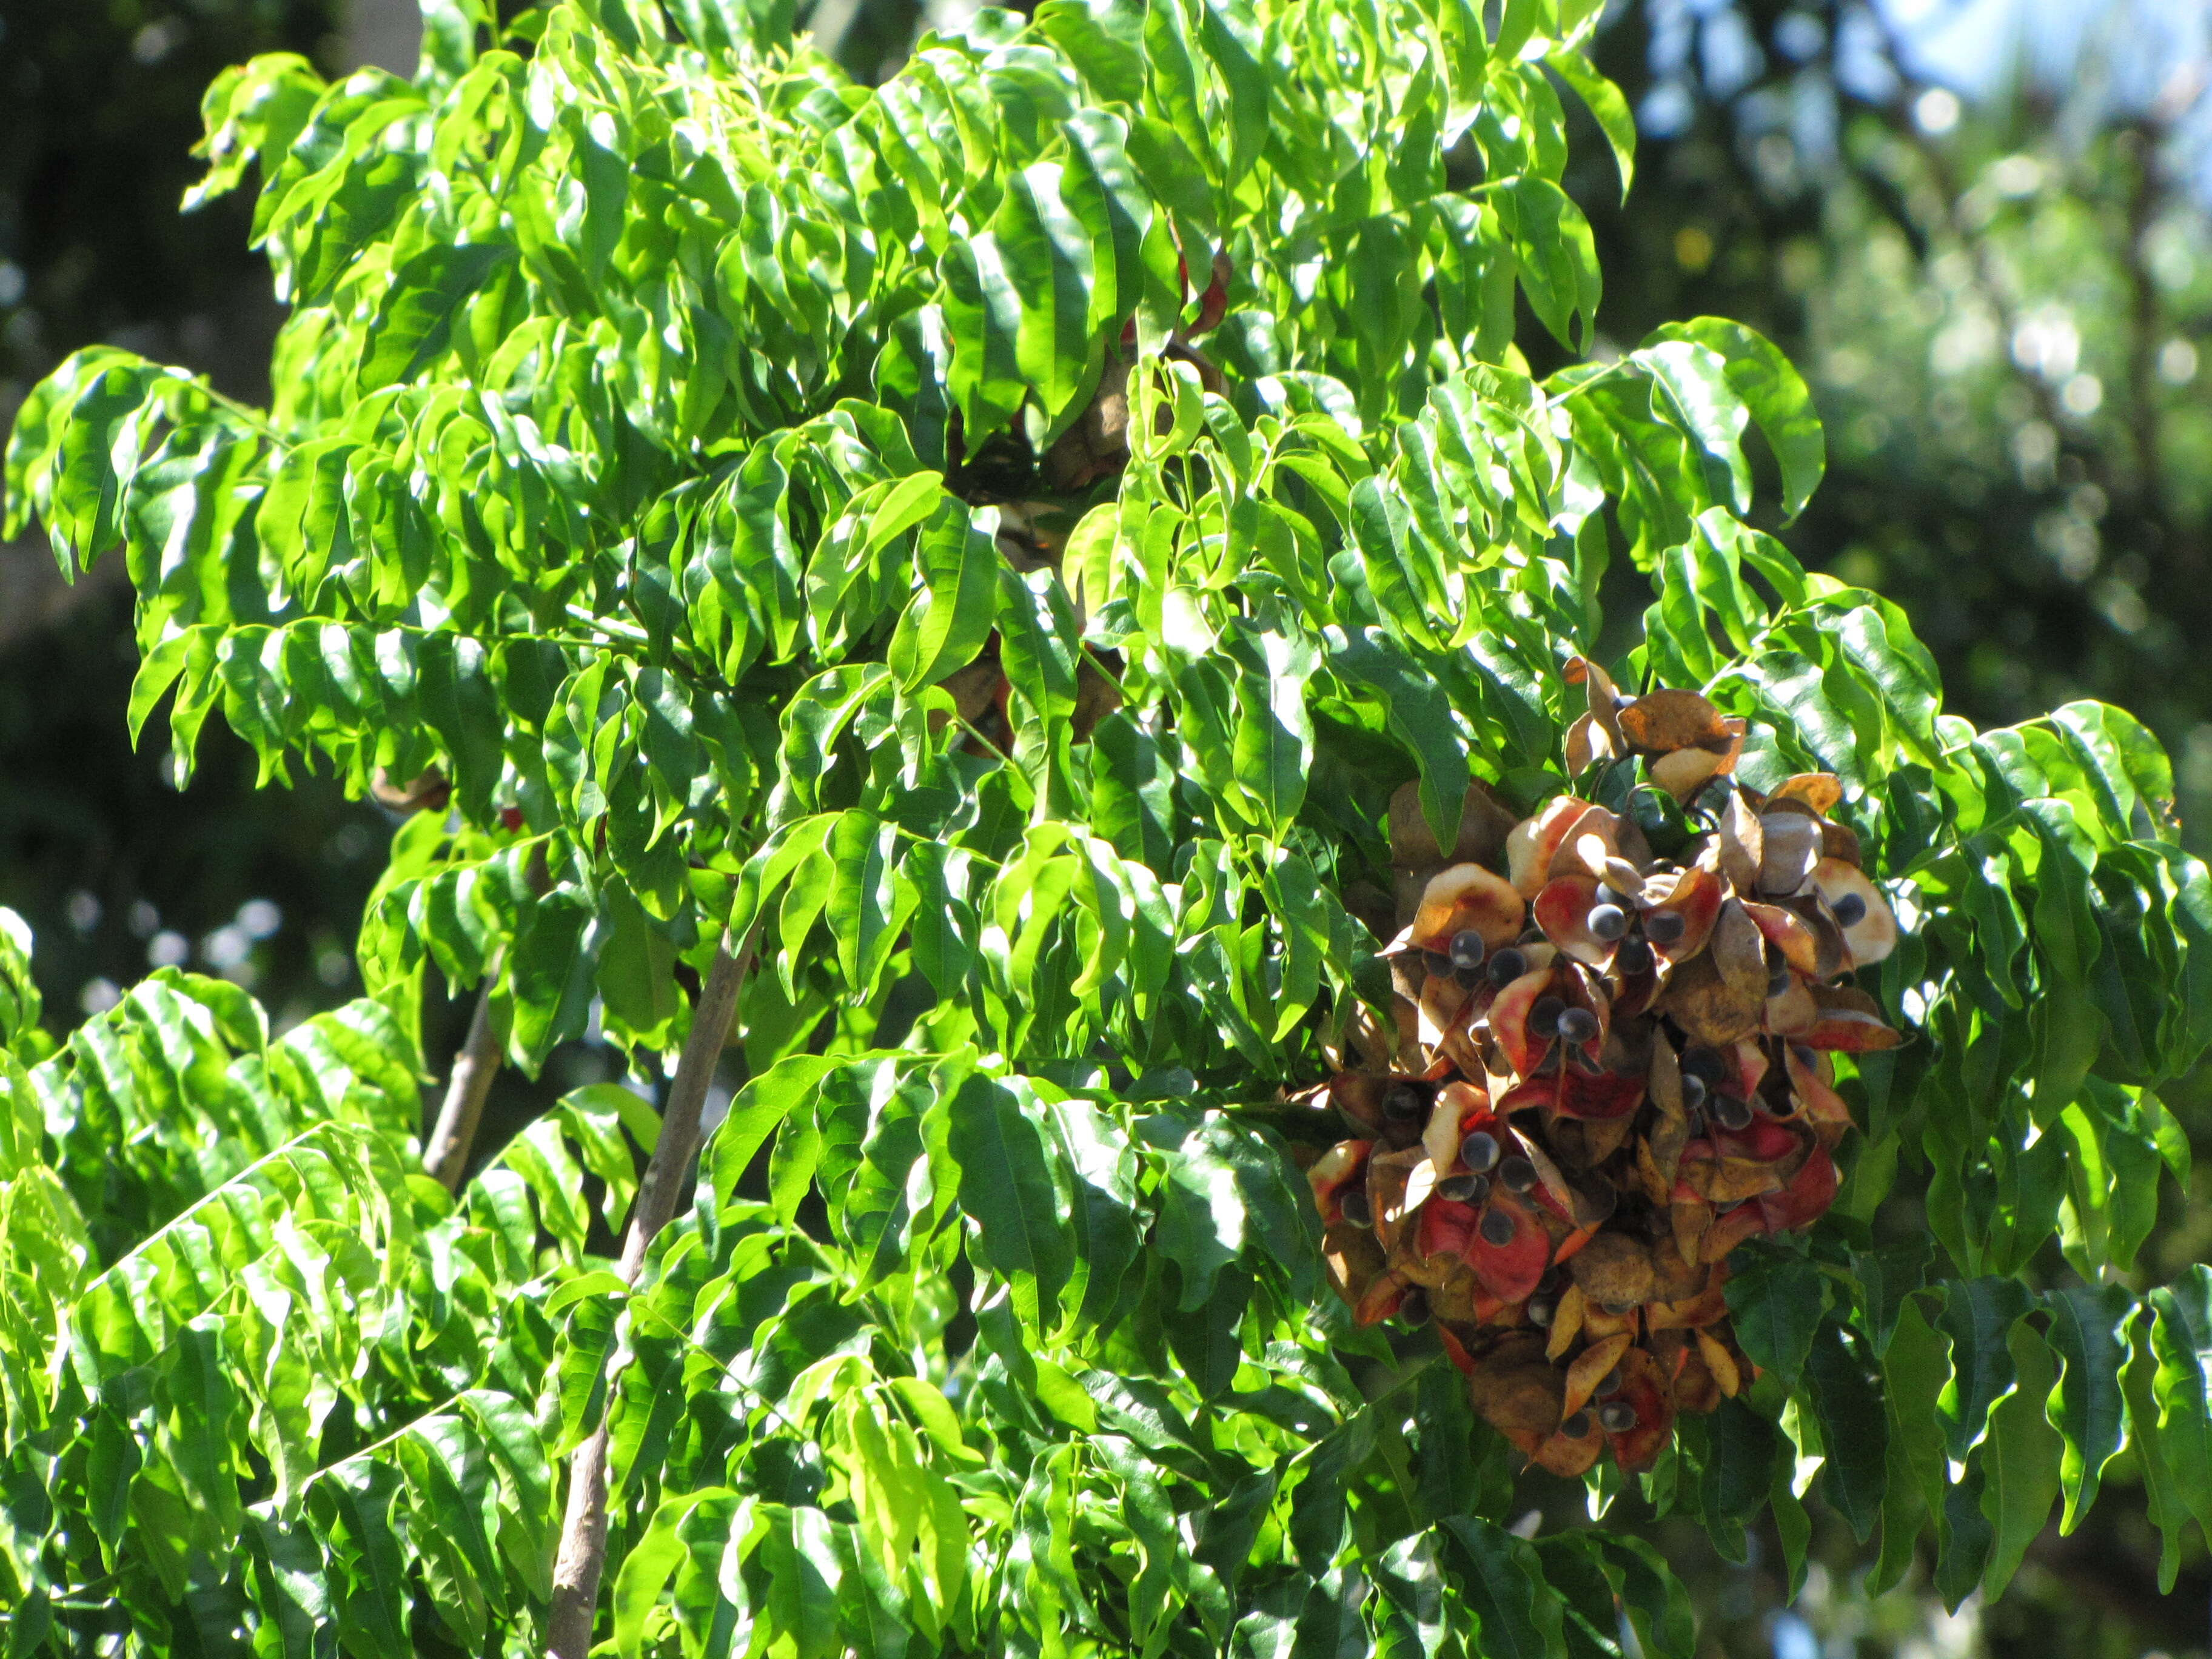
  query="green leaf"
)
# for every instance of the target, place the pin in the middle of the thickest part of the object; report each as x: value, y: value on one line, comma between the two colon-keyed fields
x: 413, y: 324
x: 2019, y: 1461
x: 1006, y: 1188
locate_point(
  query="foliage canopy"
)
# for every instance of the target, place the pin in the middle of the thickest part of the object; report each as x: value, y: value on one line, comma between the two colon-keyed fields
x: 839, y: 529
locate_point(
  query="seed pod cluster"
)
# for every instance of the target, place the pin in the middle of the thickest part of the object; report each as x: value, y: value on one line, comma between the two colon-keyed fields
x: 1609, y: 1069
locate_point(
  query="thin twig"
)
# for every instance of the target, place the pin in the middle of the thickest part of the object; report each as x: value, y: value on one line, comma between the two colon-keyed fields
x: 582, y: 1558
x: 446, y: 1156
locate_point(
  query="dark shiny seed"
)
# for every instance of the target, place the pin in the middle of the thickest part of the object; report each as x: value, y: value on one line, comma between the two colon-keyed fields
x: 1458, y: 1188
x: 1355, y: 1207
x: 1805, y: 1056
x: 1554, y: 1279
x: 1708, y: 1067
x: 1578, y: 1025
x: 1617, y: 1416
x: 1437, y: 963
x: 1467, y: 949
x: 1778, y: 979
x: 1507, y: 966
x: 1617, y: 1308
x: 1497, y: 1228
x: 1544, y: 1016
x: 1665, y: 927
x: 1850, y: 909
x: 1608, y: 895
x: 1609, y: 1384
x: 1606, y: 921
x: 1468, y: 978
x: 1576, y: 1426
x: 1517, y: 1173
x: 1633, y: 957
x: 1731, y: 1113
x: 1693, y: 1092
x: 1414, y: 1309
x: 1478, y: 1151
x: 1403, y: 1102
x: 1541, y: 1309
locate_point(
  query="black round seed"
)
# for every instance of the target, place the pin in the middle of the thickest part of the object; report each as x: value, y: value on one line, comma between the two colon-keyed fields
x: 1665, y: 927
x: 1467, y: 949
x: 1497, y: 1228
x: 1478, y: 1151
x: 1806, y: 1056
x: 1778, y: 979
x: 1414, y: 1309
x: 1617, y: 1308
x: 1731, y: 1113
x: 1633, y: 957
x: 1437, y: 963
x: 1708, y: 1067
x: 1609, y: 1384
x: 1616, y: 1416
x: 1578, y: 1025
x: 1467, y: 978
x: 1693, y: 1092
x: 1544, y: 1016
x: 1507, y: 965
x: 1552, y: 1281
x: 1542, y: 1310
x: 1355, y: 1208
x: 1464, y: 1189
x: 1850, y: 909
x: 1576, y: 1426
x: 1609, y: 894
x: 1608, y: 921
x: 1517, y: 1173
x: 1403, y: 1102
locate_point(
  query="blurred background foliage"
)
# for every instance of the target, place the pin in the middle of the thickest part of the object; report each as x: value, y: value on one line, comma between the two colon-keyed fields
x: 1982, y: 227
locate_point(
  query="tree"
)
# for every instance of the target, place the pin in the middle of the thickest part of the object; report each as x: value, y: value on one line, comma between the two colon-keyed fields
x: 1036, y: 616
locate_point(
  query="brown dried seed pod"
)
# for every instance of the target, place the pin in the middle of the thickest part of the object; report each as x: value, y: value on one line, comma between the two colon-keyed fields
x: 1614, y: 1269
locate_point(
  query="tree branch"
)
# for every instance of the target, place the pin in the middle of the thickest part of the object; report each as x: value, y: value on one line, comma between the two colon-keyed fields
x: 583, y: 1551
x: 447, y: 1157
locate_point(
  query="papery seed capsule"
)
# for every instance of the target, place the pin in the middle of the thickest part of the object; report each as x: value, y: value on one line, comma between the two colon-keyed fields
x: 1544, y: 1016
x: 1467, y: 949
x: 1731, y: 1113
x: 1850, y: 909
x: 1608, y: 894
x: 1437, y: 963
x: 1414, y: 1309
x: 1542, y: 1310
x: 1633, y: 957
x: 1478, y: 1151
x: 1806, y: 1056
x: 1468, y: 978
x: 1608, y: 921
x: 1693, y: 1092
x: 1464, y: 1189
x: 1578, y: 1025
x: 1517, y: 1173
x: 1403, y: 1102
x: 1507, y: 965
x: 1497, y: 1228
x: 1665, y: 927
x: 1616, y: 1416
x: 1356, y: 1207
x: 1576, y: 1426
